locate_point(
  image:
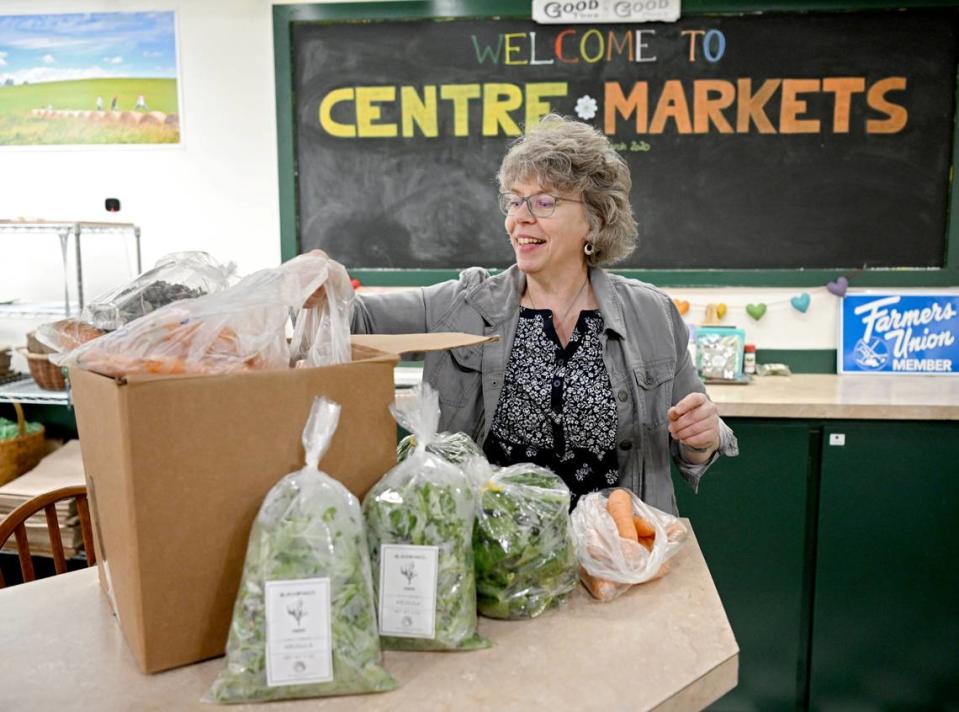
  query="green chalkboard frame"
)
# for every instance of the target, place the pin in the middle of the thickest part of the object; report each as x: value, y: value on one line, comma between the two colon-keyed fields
x: 285, y: 16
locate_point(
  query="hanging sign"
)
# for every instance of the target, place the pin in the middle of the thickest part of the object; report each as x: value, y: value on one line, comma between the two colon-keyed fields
x: 899, y: 333
x: 554, y: 12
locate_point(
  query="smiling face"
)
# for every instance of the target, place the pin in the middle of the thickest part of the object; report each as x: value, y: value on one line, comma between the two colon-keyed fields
x: 552, y: 246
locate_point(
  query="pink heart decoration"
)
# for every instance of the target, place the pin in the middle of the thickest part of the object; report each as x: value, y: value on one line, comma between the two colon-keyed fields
x: 838, y: 287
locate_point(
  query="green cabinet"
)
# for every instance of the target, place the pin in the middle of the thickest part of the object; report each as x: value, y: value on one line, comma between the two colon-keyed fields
x: 833, y: 545
x: 886, y: 623
x: 750, y: 518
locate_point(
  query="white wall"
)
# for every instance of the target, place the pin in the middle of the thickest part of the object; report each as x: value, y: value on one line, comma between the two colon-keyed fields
x: 217, y: 190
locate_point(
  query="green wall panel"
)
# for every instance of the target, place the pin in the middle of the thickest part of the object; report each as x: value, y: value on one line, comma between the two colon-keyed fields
x: 886, y: 616
x: 750, y: 518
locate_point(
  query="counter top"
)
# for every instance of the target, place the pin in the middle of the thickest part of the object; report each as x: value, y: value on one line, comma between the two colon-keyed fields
x: 813, y: 395
x: 665, y: 645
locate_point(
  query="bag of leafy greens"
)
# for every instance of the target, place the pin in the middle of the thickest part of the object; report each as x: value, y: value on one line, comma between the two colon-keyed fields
x: 523, y: 541
x: 304, y: 623
x: 419, y: 520
x: 452, y: 447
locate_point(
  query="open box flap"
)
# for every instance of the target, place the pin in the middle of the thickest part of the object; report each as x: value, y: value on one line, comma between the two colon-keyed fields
x: 406, y: 343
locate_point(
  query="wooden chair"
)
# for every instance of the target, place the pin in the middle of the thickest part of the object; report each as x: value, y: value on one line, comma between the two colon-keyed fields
x: 14, y: 524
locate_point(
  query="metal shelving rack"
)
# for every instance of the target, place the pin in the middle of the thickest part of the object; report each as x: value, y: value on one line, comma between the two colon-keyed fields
x: 22, y: 388
x: 64, y: 230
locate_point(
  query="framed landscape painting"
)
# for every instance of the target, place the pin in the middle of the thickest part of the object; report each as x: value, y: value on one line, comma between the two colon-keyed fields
x: 89, y: 78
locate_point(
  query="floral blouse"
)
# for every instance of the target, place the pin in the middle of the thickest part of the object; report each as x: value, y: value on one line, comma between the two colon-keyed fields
x: 557, y: 408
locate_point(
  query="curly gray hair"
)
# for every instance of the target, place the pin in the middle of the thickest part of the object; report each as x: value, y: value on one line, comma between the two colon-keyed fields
x: 570, y: 156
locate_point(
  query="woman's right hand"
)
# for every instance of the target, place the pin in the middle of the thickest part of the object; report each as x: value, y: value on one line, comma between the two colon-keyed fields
x: 319, y: 296
x: 317, y: 299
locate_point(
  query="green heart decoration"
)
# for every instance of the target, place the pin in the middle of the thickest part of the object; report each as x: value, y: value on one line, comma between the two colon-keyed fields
x: 756, y: 311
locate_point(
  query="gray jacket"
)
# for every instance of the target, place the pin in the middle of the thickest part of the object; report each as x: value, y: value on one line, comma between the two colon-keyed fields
x: 644, y: 349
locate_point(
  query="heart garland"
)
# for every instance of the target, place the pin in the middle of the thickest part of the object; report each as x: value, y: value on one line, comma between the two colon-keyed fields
x: 800, y: 303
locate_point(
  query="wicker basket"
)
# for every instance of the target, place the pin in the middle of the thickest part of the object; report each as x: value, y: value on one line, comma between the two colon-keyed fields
x: 47, y: 375
x: 23, y: 452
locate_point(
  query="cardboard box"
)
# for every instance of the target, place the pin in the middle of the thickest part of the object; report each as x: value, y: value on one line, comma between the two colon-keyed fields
x: 177, y: 467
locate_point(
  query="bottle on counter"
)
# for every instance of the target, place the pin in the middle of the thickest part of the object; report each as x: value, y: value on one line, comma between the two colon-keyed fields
x: 749, y: 359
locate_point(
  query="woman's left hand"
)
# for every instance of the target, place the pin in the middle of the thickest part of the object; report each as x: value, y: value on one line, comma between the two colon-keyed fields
x: 694, y: 422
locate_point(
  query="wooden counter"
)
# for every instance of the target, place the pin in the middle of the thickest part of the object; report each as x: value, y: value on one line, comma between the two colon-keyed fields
x: 809, y: 395
x: 665, y: 645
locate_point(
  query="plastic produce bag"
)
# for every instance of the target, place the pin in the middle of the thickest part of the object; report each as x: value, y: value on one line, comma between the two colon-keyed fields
x: 611, y: 564
x: 179, y: 275
x: 419, y: 520
x: 456, y: 448
x: 238, y: 329
x: 523, y: 541
x: 64, y: 335
x: 321, y: 334
x: 304, y: 623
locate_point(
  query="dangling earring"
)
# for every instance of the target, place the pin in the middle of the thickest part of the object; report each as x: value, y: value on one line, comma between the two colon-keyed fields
x: 588, y: 248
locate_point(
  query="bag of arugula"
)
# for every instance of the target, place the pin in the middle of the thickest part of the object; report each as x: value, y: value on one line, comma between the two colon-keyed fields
x: 419, y: 520
x: 523, y: 542
x: 304, y: 623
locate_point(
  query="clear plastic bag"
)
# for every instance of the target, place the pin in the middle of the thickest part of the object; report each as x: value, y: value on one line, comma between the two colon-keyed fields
x: 611, y: 564
x: 309, y: 530
x: 179, y: 275
x: 238, y: 329
x: 321, y: 334
x: 419, y: 520
x: 523, y: 542
x: 66, y: 334
x: 455, y: 448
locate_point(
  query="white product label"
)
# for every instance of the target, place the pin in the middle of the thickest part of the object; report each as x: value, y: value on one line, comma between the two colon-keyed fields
x: 408, y: 590
x: 298, y: 635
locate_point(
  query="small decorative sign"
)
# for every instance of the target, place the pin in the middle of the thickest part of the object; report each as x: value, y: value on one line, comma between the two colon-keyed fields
x: 899, y: 333
x: 555, y: 12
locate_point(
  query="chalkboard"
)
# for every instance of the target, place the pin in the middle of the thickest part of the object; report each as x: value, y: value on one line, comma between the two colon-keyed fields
x: 774, y: 141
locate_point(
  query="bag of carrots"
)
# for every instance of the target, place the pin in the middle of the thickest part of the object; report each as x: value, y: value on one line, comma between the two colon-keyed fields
x: 622, y: 541
x: 241, y: 328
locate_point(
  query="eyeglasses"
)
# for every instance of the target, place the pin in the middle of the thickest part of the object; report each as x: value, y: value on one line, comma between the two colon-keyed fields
x: 541, y: 205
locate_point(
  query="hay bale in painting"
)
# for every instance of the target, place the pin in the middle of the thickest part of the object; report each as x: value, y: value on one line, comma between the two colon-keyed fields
x: 153, y: 117
x: 130, y: 117
x: 172, y: 120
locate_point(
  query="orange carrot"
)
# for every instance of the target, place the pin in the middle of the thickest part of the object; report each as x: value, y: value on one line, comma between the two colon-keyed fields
x: 620, y: 508
x: 600, y: 588
x: 647, y: 541
x: 643, y: 528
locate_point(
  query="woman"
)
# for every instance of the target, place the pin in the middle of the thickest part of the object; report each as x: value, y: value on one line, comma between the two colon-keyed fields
x: 590, y: 376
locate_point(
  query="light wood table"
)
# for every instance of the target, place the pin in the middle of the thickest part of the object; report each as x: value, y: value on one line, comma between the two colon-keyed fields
x: 814, y: 395
x: 665, y: 645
